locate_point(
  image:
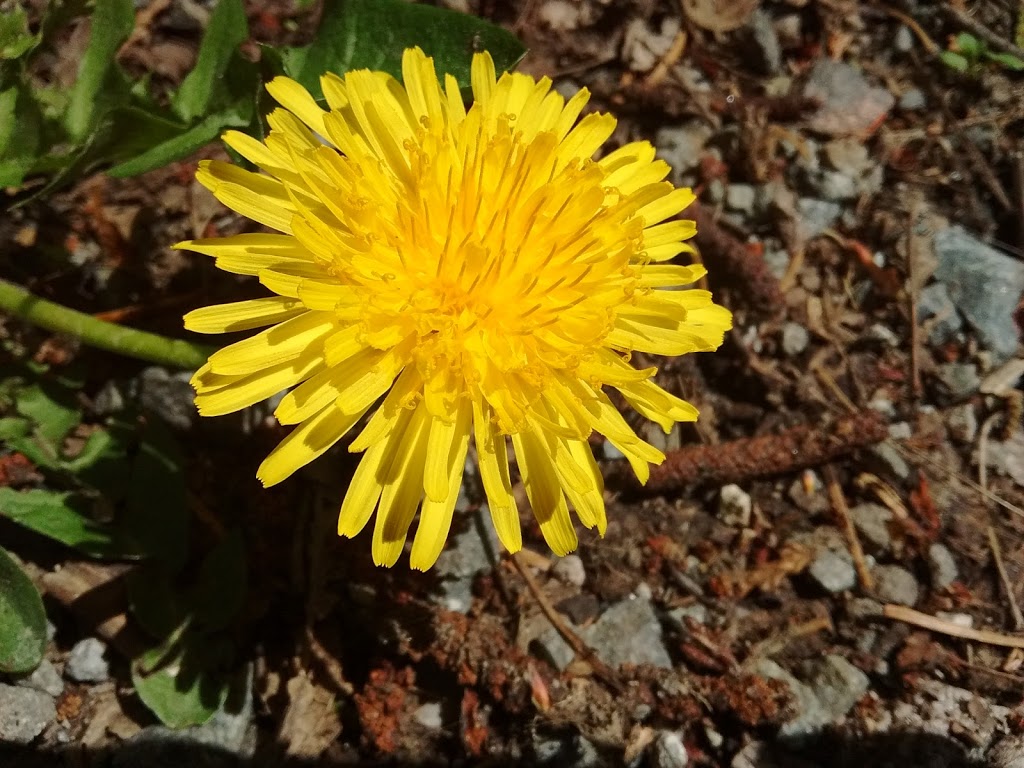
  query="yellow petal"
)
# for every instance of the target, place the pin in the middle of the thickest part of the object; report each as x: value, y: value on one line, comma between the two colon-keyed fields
x: 492, y: 460
x: 304, y: 444
x: 285, y: 341
x: 253, y: 195
x: 242, y: 315
x: 544, y: 492
x: 296, y: 99
x: 218, y: 395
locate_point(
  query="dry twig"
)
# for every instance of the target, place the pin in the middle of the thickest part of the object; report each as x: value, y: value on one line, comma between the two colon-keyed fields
x: 601, y: 670
x: 923, y: 620
x: 835, y: 494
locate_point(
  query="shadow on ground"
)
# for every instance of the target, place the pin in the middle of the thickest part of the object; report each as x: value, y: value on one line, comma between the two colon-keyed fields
x: 892, y: 750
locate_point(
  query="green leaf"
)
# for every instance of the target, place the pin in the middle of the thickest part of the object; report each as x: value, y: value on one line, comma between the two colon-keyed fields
x: 182, y: 680
x: 220, y: 589
x: 20, y: 128
x: 155, y: 513
x: 155, y: 603
x: 354, y: 34
x: 98, y: 76
x: 182, y: 145
x: 51, y: 408
x: 1007, y: 60
x: 969, y: 46
x: 15, y: 38
x: 227, y: 30
x: 22, y: 619
x: 954, y: 61
x: 62, y: 517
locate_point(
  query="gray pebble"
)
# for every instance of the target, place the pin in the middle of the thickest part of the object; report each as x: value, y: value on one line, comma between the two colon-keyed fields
x: 569, y: 570
x: 943, y: 566
x: 168, y: 395
x: 87, y: 662
x: 44, y: 678
x: 913, y: 100
x: 890, y: 461
x: 832, y: 572
x: 734, y: 506
x: 962, y: 423
x: 872, y: 522
x: 669, y: 751
x: 628, y: 633
x: 740, y: 198
x: 24, y: 713
x: 958, y: 380
x: 894, y: 584
x: 795, y: 339
x: 429, y: 716
x: 904, y: 39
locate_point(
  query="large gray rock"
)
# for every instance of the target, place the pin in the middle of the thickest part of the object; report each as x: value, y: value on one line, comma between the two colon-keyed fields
x: 985, y: 284
x: 628, y: 633
x: 44, y: 678
x: 829, y: 693
x: 850, y: 106
x: 24, y: 713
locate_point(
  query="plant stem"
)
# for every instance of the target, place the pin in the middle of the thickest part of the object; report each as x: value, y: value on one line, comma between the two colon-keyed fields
x: 98, y: 333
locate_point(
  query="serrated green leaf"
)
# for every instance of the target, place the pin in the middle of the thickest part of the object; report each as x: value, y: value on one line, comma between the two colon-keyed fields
x: 15, y: 37
x: 228, y: 29
x: 62, y: 517
x: 155, y: 514
x: 98, y: 79
x: 354, y: 34
x: 954, y: 61
x: 220, y: 589
x: 183, y: 681
x: 22, y: 619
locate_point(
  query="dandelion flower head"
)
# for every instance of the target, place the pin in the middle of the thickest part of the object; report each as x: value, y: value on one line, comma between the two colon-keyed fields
x: 463, y: 275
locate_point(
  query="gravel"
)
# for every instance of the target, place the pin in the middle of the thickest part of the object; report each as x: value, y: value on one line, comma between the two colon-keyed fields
x: 943, y: 566
x: 44, y: 678
x: 850, y: 106
x: 985, y: 284
x: 832, y: 572
x: 872, y: 522
x: 895, y: 584
x: 569, y: 570
x: 957, y: 381
x: 471, y: 551
x: 795, y: 339
x: 169, y: 395
x: 628, y: 633
x: 24, y: 713
x: 734, y: 506
x: 740, y: 198
x: 962, y: 423
x: 429, y: 716
x: 87, y: 662
x: 668, y: 751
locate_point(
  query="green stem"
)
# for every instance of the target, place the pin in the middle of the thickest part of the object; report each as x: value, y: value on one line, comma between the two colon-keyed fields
x: 98, y: 333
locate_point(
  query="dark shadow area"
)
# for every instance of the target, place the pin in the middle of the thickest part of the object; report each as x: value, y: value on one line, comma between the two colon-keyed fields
x: 827, y: 750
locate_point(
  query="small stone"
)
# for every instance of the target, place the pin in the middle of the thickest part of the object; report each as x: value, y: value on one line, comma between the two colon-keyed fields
x: 985, y: 284
x: 561, y: 15
x: 837, y: 685
x: 903, y: 40
x: 934, y: 302
x: 44, y: 678
x: 569, y: 570
x: 912, y: 100
x: 777, y: 261
x: 633, y: 619
x: 682, y: 146
x: 901, y: 430
x: 890, y: 461
x: 740, y: 198
x: 734, y: 506
x: 863, y: 608
x: 24, y: 713
x: 429, y: 716
x: 815, y: 216
x: 834, y: 186
x: 883, y: 333
x: 832, y: 572
x: 807, y: 493
x: 895, y: 584
x: 1008, y: 457
x: 767, y: 51
x: 109, y: 400
x: 795, y: 339
x: 87, y: 662
x: 470, y: 552
x: 580, y: 608
x: 1007, y: 753
x: 168, y: 395
x: 668, y: 751
x: 872, y: 523
x: 943, y: 566
x: 850, y: 106
x: 958, y: 381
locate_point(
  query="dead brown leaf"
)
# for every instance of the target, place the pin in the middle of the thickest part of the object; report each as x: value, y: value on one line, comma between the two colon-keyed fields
x: 311, y: 722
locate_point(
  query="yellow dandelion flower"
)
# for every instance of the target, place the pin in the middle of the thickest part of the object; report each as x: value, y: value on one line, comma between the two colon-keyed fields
x: 475, y: 273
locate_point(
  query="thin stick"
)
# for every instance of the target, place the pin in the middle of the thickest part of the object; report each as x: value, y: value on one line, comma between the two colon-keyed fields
x: 993, y: 538
x: 923, y: 620
x: 835, y: 494
x: 129, y: 342
x: 584, y: 651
